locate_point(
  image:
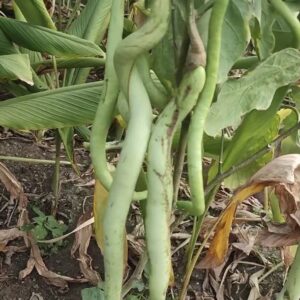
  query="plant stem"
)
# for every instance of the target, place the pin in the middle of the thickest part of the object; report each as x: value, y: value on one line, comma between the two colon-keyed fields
x: 56, y: 179
x: 34, y: 160
x: 66, y: 63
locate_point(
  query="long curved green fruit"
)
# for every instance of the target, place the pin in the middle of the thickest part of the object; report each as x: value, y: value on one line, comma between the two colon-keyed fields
x: 106, y: 108
x: 196, y: 130
x: 160, y: 181
x: 141, y: 41
x: 125, y: 177
x: 135, y: 144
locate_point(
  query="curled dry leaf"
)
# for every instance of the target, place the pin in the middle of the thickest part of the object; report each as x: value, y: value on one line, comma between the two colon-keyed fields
x: 245, y: 239
x: 283, y: 174
x: 81, y: 243
x: 13, y: 186
x: 7, y: 235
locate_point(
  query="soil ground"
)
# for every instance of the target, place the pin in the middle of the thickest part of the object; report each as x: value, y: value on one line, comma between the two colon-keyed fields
x: 36, y: 180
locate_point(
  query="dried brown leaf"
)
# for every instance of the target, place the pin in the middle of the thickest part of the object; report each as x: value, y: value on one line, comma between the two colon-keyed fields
x: 81, y: 243
x: 269, y: 239
x: 35, y: 261
x: 253, y: 280
x: 13, y: 186
x: 283, y: 173
x: 288, y: 254
x: 246, y: 240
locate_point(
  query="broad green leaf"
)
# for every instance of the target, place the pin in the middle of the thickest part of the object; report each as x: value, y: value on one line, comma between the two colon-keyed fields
x: 63, y: 107
x: 90, y: 25
x: 93, y: 293
x: 262, y: 34
x: 15, y: 66
x: 35, y: 12
x: 255, y: 90
x: 42, y: 39
x: 284, y: 38
x: 6, y: 46
x: 257, y: 130
x: 93, y: 21
x: 235, y: 30
x: 169, y: 55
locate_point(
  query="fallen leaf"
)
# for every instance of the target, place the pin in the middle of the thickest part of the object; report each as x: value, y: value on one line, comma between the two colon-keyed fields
x: 219, y: 245
x: 253, y: 280
x: 81, y: 243
x: 13, y: 186
x: 246, y: 240
x: 269, y: 239
x: 288, y: 254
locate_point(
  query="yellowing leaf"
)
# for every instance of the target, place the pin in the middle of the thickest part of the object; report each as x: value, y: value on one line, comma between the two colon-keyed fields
x: 218, y: 248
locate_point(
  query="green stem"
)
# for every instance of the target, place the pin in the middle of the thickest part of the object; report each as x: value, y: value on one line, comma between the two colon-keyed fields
x: 56, y: 179
x: 196, y: 130
x: 66, y: 63
x: 282, y: 9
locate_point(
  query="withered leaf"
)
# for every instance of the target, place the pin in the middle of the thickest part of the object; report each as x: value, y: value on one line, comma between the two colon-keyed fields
x: 283, y: 173
x: 81, y: 243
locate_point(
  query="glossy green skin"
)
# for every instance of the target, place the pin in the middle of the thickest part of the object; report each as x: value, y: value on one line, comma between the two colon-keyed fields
x: 196, y: 130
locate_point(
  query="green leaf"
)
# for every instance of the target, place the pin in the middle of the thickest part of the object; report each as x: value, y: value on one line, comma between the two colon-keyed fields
x: 6, y: 46
x: 93, y: 293
x: 257, y: 130
x: 93, y: 21
x: 235, y: 30
x: 40, y: 232
x: 63, y: 107
x: 42, y: 39
x: 168, y: 58
x: 262, y: 34
x: 57, y: 229
x: 91, y: 25
x: 284, y: 38
x: 35, y: 12
x: 15, y: 66
x: 66, y: 135
x: 255, y: 90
